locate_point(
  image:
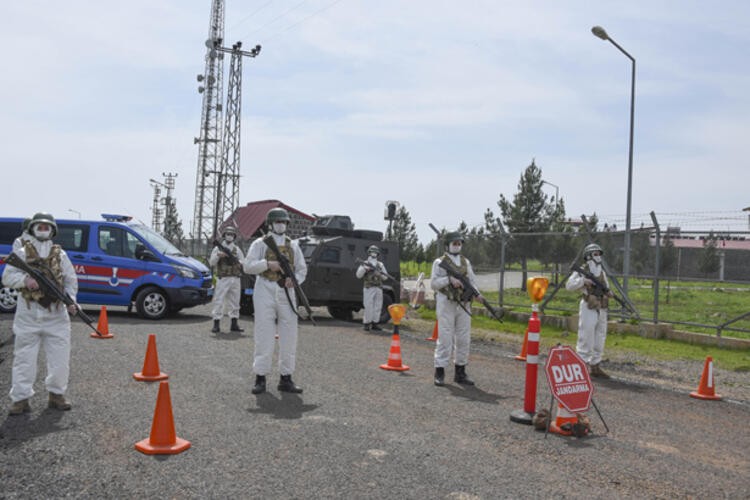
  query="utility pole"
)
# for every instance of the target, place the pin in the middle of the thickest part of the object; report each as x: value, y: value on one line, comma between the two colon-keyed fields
x: 228, y: 186
x: 209, y: 142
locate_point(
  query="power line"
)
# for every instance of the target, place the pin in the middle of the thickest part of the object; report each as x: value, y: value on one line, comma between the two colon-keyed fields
x: 269, y: 2
x: 275, y: 19
x: 303, y: 20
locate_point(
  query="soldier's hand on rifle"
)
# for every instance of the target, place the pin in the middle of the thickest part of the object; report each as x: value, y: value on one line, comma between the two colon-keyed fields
x: 455, y: 282
x: 479, y: 297
x: 288, y: 283
x: 222, y: 254
x: 72, y: 309
x: 30, y: 283
x: 587, y: 282
x: 274, y: 265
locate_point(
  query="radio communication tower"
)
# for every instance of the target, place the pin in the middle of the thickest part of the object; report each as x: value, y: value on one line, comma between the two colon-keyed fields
x: 155, y: 210
x: 209, y: 142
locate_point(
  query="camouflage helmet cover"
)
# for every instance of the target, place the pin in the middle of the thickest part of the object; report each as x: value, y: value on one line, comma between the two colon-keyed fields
x: 453, y: 236
x: 229, y: 230
x: 277, y: 214
x: 373, y: 249
x: 43, y: 217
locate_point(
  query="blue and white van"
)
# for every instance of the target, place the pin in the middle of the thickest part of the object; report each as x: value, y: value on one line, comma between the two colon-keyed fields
x: 121, y: 263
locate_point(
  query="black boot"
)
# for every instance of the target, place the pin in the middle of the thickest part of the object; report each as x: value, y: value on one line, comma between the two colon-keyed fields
x: 260, y: 384
x: 235, y: 326
x: 366, y: 327
x: 376, y: 328
x: 286, y: 385
x: 461, y: 377
x: 440, y: 377
x: 215, y: 329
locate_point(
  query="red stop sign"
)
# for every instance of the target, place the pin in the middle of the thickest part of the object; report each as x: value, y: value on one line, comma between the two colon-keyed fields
x: 569, y: 379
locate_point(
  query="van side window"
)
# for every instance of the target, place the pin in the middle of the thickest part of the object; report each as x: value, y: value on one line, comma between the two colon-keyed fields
x: 73, y: 238
x: 9, y: 231
x: 117, y: 242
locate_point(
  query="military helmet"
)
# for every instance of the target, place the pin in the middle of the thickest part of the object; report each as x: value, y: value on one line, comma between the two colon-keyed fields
x: 373, y: 249
x: 43, y: 217
x: 229, y: 230
x: 590, y: 249
x: 277, y: 214
x: 453, y: 236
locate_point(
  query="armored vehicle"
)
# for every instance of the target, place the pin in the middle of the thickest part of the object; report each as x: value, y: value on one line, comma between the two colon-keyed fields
x: 331, y: 253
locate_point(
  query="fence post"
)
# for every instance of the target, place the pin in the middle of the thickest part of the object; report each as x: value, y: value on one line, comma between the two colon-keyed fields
x: 502, y: 266
x: 656, y: 267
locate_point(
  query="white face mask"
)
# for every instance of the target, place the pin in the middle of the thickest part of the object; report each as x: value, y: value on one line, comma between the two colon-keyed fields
x: 279, y: 227
x: 597, y: 259
x: 229, y: 238
x: 454, y: 248
x: 373, y: 256
x: 42, y: 235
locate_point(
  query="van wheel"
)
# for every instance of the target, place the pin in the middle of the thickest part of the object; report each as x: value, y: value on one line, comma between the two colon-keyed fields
x: 384, y: 315
x: 340, y: 312
x: 152, y: 303
x: 8, y: 299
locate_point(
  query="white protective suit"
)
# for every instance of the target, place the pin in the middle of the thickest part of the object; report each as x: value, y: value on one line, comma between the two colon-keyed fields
x: 228, y: 290
x: 592, y: 323
x: 273, y: 314
x: 454, y: 324
x: 35, y: 326
x: 18, y: 242
x: 372, y: 296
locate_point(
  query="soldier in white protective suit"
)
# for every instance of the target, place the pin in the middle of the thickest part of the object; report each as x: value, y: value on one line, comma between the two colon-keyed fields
x: 592, y: 310
x: 228, y: 288
x: 372, y: 271
x: 453, y: 319
x: 275, y: 303
x: 41, y: 320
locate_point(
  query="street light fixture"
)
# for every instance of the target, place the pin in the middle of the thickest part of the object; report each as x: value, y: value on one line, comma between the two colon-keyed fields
x: 75, y: 212
x: 599, y: 32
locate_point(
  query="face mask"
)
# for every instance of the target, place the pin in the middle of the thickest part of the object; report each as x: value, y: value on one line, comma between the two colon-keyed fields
x: 597, y: 259
x: 279, y: 227
x: 373, y: 256
x: 229, y: 238
x: 454, y: 249
x: 42, y: 235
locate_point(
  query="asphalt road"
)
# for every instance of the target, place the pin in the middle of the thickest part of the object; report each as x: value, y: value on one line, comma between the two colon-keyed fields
x: 357, y: 431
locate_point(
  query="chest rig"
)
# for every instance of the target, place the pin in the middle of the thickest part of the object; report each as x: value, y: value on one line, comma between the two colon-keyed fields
x: 454, y: 294
x: 286, y: 251
x: 225, y: 268
x: 51, y: 267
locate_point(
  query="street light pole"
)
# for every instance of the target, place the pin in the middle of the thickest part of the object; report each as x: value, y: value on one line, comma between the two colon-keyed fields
x: 557, y: 192
x: 599, y: 32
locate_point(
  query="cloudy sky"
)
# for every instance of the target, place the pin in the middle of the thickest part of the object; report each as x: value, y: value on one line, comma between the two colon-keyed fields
x: 439, y: 105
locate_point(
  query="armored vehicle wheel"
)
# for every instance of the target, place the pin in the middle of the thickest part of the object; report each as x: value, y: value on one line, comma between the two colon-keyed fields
x: 341, y: 312
x: 384, y: 315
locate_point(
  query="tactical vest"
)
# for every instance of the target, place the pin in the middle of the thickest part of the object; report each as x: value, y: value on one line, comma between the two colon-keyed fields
x: 51, y: 267
x: 373, y: 278
x: 594, y: 301
x: 225, y: 268
x: 286, y: 250
x: 454, y: 294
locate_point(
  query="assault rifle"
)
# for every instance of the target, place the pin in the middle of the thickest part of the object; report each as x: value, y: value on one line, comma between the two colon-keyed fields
x: 50, y: 287
x: 374, y: 269
x: 470, y: 292
x: 600, y: 288
x: 233, y: 260
x: 288, y: 272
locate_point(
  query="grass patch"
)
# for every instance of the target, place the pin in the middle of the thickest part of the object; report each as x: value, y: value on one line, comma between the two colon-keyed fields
x: 658, y: 349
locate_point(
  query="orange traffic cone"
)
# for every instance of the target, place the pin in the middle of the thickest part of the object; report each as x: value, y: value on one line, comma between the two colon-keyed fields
x: 163, y: 440
x: 434, y: 333
x: 151, y: 372
x: 394, y: 357
x: 564, y: 421
x: 706, y: 387
x: 522, y: 356
x: 102, y: 326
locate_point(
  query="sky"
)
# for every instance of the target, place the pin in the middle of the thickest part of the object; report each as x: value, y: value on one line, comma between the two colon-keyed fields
x: 351, y: 103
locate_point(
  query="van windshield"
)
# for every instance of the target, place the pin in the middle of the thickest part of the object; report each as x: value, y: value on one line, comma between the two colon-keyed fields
x: 161, y: 244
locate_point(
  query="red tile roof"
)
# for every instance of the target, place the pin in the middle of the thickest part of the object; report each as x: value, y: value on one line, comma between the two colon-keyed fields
x: 252, y: 216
